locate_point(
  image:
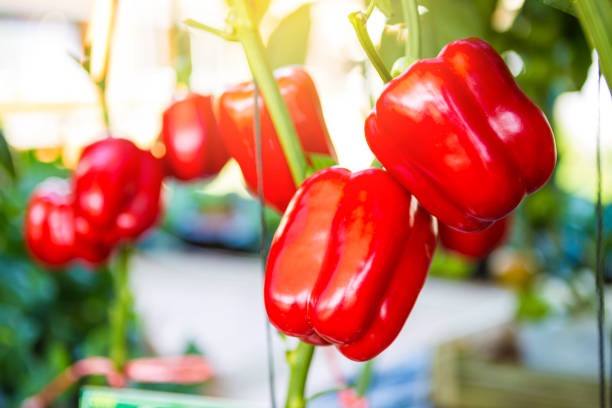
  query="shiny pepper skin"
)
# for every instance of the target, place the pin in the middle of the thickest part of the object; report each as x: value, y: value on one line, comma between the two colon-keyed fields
x: 348, y: 261
x: 194, y: 148
x: 475, y: 245
x: 117, y: 191
x: 460, y: 135
x: 236, y: 111
x: 49, y: 227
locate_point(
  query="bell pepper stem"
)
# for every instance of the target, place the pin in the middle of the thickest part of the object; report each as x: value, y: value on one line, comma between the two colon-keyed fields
x: 363, y: 383
x: 359, y: 20
x: 248, y: 34
x: 299, y: 362
x: 595, y: 17
x: 410, y: 14
x: 120, y: 308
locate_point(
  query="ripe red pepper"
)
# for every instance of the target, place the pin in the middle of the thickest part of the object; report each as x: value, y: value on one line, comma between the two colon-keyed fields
x: 194, y: 148
x: 459, y: 134
x: 236, y: 111
x: 117, y: 190
x: 348, y: 261
x: 49, y: 227
x: 475, y: 245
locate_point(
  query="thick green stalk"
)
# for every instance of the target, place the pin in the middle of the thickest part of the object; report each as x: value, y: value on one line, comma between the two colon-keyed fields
x: 596, y: 19
x: 120, y: 308
x: 359, y: 20
x: 299, y: 361
x: 363, y: 383
x: 248, y: 34
x: 410, y: 13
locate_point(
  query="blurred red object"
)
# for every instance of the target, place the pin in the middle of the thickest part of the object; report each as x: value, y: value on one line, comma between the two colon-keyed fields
x: 50, y: 227
x: 117, y: 190
x: 236, y: 114
x: 349, y: 399
x: 189, y: 369
x: 194, y: 148
x: 475, y: 245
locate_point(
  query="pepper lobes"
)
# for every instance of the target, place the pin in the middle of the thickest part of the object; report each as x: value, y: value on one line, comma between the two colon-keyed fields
x: 348, y: 261
x: 50, y: 227
x: 459, y: 134
x: 117, y: 191
x: 475, y: 245
x: 194, y: 148
x: 236, y: 112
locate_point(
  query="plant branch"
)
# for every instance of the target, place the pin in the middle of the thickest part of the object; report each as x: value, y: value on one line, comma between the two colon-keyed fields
x: 359, y: 21
x: 120, y: 308
x: 410, y: 13
x: 226, y: 35
x: 248, y: 34
x: 299, y: 361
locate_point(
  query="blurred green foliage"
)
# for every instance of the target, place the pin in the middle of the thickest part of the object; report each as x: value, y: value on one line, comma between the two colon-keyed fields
x: 48, y: 319
x: 552, y: 51
x: 288, y: 43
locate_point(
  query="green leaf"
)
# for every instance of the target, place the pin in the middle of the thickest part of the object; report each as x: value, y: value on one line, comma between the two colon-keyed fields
x: 6, y: 160
x: 443, y: 22
x: 288, y: 43
x: 566, y: 6
x: 320, y: 161
x: 385, y: 7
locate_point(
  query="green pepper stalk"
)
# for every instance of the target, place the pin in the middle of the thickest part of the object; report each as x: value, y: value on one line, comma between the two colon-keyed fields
x: 410, y: 13
x: 120, y: 308
x: 244, y: 29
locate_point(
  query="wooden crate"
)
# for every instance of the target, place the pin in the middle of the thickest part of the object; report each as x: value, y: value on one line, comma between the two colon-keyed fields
x: 484, y: 371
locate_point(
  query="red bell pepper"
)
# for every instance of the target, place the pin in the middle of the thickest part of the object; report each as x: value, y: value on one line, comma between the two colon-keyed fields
x: 117, y: 191
x: 236, y: 112
x: 460, y: 135
x: 194, y: 148
x: 348, y: 261
x: 49, y: 227
x: 475, y: 245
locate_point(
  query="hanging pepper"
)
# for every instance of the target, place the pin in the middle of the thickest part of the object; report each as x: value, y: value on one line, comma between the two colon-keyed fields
x: 194, y: 148
x: 117, y: 190
x: 460, y: 135
x: 49, y: 227
x: 348, y: 261
x: 236, y: 112
x: 475, y: 245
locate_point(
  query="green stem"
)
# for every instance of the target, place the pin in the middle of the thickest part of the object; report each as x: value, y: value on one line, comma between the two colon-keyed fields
x: 299, y: 361
x: 410, y: 13
x: 364, y: 378
x: 595, y: 17
x: 248, y: 34
x: 359, y: 20
x: 120, y: 308
x: 229, y: 36
x: 103, y: 104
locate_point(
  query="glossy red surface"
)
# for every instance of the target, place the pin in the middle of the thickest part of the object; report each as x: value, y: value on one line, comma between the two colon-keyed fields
x: 460, y: 135
x: 194, y: 148
x: 348, y: 261
x: 236, y: 113
x: 476, y: 245
x: 117, y: 191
